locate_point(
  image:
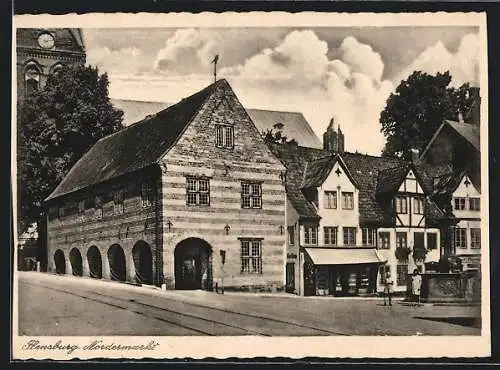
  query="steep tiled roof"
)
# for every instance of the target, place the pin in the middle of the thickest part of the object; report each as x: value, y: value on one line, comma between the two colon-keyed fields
x: 468, y: 131
x: 308, y: 167
x: 294, y: 125
x: 389, y: 179
x: 136, y: 110
x: 294, y: 158
x: 135, y: 147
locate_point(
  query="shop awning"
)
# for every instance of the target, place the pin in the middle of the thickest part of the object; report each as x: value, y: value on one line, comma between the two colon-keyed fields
x: 337, y: 256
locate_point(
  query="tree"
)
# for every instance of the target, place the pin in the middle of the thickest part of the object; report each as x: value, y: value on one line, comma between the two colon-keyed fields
x: 418, y: 107
x: 56, y: 126
x: 275, y: 135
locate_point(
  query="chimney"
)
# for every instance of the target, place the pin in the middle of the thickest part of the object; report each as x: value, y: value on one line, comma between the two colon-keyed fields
x: 333, y: 141
x: 413, y: 155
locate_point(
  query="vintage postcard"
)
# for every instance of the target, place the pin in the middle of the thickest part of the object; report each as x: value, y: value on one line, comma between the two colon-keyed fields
x: 250, y: 185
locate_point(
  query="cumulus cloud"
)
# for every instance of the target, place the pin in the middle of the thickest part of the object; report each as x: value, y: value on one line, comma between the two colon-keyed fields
x: 298, y: 75
x: 462, y: 64
x: 191, y: 50
x: 128, y: 59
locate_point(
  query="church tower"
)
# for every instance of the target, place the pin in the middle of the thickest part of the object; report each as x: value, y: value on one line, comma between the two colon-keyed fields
x: 43, y: 51
x: 333, y: 141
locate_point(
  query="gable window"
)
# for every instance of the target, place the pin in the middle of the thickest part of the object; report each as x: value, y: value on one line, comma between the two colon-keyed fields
x: 330, y: 200
x: 291, y: 235
x: 368, y: 236
x: 459, y: 203
x: 118, y: 198
x: 401, y: 240
x: 418, y: 206
x: 347, y: 200
x: 251, y: 195
x: 197, y: 192
x: 98, y: 206
x: 251, y: 256
x: 310, y: 235
x: 475, y: 238
x: 431, y: 241
x: 401, y: 205
x: 384, y: 240
x: 224, y: 136
x: 330, y: 235
x: 147, y: 194
x: 349, y: 235
x: 460, y: 238
x: 475, y: 204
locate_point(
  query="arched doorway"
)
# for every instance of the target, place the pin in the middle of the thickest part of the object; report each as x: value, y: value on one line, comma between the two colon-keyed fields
x: 75, y: 258
x: 60, y: 262
x: 143, y: 262
x: 95, y: 262
x: 193, y: 264
x: 117, y: 265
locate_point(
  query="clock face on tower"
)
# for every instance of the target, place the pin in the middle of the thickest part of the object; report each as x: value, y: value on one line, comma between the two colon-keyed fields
x: 46, y: 40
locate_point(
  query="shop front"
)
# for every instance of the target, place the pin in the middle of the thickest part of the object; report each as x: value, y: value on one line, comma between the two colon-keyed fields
x: 341, y: 272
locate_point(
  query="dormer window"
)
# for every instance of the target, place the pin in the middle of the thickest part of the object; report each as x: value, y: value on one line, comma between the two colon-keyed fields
x: 224, y: 136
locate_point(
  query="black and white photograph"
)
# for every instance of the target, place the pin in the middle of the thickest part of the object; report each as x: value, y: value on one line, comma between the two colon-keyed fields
x: 225, y: 185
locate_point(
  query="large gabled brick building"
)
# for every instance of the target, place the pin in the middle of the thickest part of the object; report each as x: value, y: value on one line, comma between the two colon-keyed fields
x: 189, y: 197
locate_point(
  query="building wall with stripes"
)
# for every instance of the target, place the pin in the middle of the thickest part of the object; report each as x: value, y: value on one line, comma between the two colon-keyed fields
x: 74, y: 229
x: 224, y: 222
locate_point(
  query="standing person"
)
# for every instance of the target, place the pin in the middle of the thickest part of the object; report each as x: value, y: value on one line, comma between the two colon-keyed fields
x: 416, y: 283
x: 388, y: 288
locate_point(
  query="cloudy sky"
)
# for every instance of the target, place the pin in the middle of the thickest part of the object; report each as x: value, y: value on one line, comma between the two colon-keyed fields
x: 345, y: 73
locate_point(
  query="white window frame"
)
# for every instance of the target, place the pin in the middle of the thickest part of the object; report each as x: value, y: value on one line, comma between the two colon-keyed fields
x: 347, y: 200
x: 251, y: 195
x: 382, y: 242
x: 476, y: 201
x: 330, y: 235
x: 401, y: 204
x: 461, y: 242
x: 196, y: 194
x: 349, y: 235
x: 460, y: 202
x: 330, y: 199
x: 224, y: 137
x: 310, y: 235
x: 368, y: 236
x: 401, y: 236
x: 475, y: 238
x: 251, y: 256
x: 418, y: 206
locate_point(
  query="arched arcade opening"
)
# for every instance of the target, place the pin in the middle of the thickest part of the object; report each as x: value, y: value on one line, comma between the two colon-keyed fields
x: 117, y: 264
x: 95, y: 262
x: 143, y: 262
x: 75, y: 258
x: 60, y: 262
x: 193, y: 264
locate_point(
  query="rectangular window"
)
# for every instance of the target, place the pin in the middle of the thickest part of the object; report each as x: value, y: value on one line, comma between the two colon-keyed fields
x: 197, y: 191
x: 384, y: 240
x: 401, y: 205
x: 460, y: 238
x: 291, y: 235
x: 330, y: 235
x: 349, y: 235
x: 251, y: 195
x: 310, y: 235
x: 401, y: 240
x: 347, y: 200
x: 118, y: 198
x: 459, y: 204
x: 418, y: 206
x: 475, y: 204
x: 401, y: 273
x: 475, y: 238
x: 224, y: 136
x: 251, y: 256
x: 368, y: 236
x: 431, y: 241
x: 147, y: 194
x: 98, y: 206
x: 330, y: 200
